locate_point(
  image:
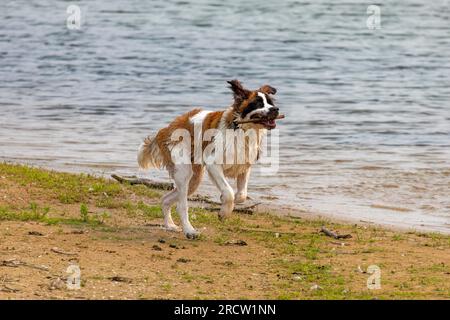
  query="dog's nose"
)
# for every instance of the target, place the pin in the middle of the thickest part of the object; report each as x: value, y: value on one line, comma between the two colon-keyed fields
x: 274, y: 110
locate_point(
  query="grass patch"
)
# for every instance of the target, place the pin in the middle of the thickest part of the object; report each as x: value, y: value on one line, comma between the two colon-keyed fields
x: 67, y: 188
x: 33, y: 213
x: 36, y: 213
x: 84, y: 213
x: 150, y: 211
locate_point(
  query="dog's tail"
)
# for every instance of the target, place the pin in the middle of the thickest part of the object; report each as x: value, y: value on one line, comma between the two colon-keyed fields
x: 149, y: 154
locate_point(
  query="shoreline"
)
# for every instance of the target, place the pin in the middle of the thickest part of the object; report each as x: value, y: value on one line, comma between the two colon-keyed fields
x: 50, y: 220
x: 293, y: 212
x: 443, y: 227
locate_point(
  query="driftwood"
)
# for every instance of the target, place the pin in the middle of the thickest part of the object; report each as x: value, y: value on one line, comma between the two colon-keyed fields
x: 60, y: 251
x: 154, y: 225
x: 133, y: 180
x: 240, y: 209
x: 146, y: 182
x: 334, y: 234
x: 16, y: 263
x: 277, y: 233
x: 6, y: 288
x: 205, y: 199
x: 246, y: 209
x: 281, y: 116
x: 215, y: 206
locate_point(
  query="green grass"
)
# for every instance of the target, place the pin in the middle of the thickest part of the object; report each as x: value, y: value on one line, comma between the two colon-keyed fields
x: 150, y: 211
x: 84, y: 213
x: 40, y: 215
x: 65, y: 187
x: 33, y: 213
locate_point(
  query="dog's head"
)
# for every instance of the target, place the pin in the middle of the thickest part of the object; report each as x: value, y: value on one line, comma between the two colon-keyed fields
x: 257, y: 104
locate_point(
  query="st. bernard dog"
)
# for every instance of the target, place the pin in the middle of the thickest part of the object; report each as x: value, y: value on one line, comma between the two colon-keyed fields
x: 204, y: 144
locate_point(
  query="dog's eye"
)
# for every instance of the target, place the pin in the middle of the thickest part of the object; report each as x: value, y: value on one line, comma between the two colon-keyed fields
x: 259, y: 103
x: 256, y: 104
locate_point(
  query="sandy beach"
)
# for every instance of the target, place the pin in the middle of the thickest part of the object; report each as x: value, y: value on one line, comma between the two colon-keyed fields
x: 50, y: 221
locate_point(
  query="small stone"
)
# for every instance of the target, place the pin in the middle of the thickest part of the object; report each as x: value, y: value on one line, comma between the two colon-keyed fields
x: 57, y: 284
x: 35, y: 233
x: 360, y: 270
x: 183, y: 260
x: 236, y: 243
x: 120, y: 279
x: 315, y: 287
x: 156, y: 248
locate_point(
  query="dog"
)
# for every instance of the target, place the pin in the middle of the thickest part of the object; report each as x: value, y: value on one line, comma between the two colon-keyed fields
x: 252, y: 111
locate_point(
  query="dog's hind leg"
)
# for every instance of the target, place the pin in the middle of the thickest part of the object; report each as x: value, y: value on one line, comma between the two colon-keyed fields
x: 167, y: 201
x: 182, y: 177
x: 170, y: 198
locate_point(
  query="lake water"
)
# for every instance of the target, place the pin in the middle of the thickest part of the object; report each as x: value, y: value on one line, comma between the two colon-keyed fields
x: 367, y: 129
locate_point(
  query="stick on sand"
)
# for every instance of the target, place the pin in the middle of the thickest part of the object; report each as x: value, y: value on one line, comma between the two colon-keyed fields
x: 147, y: 182
x: 334, y: 234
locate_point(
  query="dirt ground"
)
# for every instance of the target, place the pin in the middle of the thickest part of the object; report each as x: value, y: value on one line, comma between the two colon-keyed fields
x: 50, y: 222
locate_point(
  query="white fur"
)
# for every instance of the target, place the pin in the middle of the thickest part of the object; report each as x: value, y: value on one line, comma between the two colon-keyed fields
x: 199, y: 117
x: 242, y: 184
x: 265, y: 109
x: 182, y: 176
x: 217, y: 176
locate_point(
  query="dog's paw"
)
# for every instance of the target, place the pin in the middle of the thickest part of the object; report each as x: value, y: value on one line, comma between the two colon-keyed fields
x: 240, y: 198
x: 223, y: 217
x: 192, y: 235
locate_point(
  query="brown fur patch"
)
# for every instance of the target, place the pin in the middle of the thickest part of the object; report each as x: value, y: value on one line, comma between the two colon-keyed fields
x: 245, y: 103
x: 212, y: 120
x: 164, y: 135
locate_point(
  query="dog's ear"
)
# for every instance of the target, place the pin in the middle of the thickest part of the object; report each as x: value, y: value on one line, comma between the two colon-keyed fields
x: 239, y: 92
x: 267, y: 89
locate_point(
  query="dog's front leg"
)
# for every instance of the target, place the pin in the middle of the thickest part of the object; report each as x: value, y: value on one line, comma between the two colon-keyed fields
x: 226, y: 191
x: 242, y: 184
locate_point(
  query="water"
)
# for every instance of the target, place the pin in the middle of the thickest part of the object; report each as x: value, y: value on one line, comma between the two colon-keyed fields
x: 367, y: 131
